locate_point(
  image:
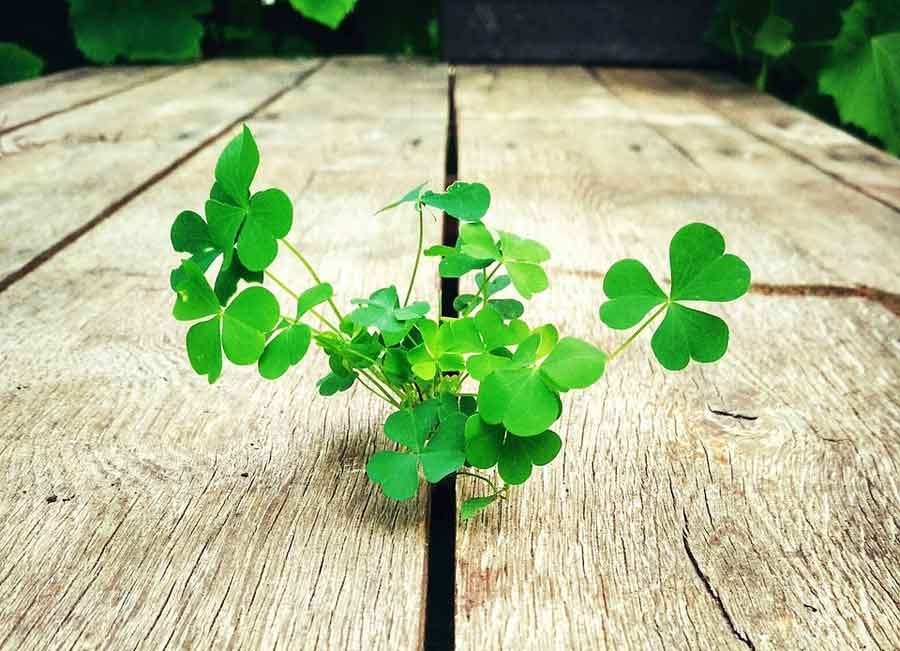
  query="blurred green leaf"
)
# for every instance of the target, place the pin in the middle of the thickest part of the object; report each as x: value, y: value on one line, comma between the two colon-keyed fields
x: 18, y: 64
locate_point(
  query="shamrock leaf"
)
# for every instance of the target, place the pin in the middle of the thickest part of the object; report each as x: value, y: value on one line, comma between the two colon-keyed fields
x: 236, y: 168
x: 257, y: 227
x: 382, y: 310
x: 466, y: 202
x: 863, y: 73
x: 701, y: 271
x: 476, y: 241
x: 523, y: 258
x: 518, y: 455
x: 241, y: 329
x: 632, y: 293
x: 312, y: 297
x: 190, y: 234
x: 409, y: 197
x: 475, y: 505
x: 573, y: 364
x: 438, y: 454
x: 520, y: 399
x: 338, y: 379
x: 286, y: 349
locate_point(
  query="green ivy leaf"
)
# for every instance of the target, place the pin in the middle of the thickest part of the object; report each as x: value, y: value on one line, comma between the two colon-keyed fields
x: 467, y: 202
x: 573, y: 364
x: 863, y: 69
x: 330, y: 13
x: 138, y: 30
x: 18, y: 64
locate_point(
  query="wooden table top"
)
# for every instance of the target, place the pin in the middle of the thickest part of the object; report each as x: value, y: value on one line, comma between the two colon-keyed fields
x: 750, y: 504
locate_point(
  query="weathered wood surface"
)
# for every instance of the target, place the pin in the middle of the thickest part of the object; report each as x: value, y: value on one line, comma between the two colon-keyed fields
x: 663, y: 524
x: 58, y: 175
x: 188, y: 516
x: 38, y: 99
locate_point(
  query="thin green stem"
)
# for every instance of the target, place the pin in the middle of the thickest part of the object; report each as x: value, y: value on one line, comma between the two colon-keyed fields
x: 295, y: 296
x: 482, y: 290
x: 379, y: 393
x: 482, y: 478
x: 312, y: 272
x: 635, y: 334
x: 415, y: 269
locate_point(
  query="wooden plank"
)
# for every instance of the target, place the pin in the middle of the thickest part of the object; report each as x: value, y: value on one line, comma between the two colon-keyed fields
x: 829, y: 148
x: 664, y: 524
x: 37, y: 99
x: 118, y: 146
x: 233, y: 516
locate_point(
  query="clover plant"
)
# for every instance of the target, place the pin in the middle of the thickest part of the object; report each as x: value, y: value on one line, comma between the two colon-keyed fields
x: 475, y: 394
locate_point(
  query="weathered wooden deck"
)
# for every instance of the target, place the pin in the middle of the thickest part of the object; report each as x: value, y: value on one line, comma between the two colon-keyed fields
x: 141, y: 508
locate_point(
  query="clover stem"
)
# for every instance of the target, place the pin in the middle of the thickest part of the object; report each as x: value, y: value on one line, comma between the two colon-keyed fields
x: 296, y: 296
x: 484, y: 479
x: 379, y: 393
x: 482, y: 290
x: 312, y: 272
x: 634, y: 335
x: 415, y: 269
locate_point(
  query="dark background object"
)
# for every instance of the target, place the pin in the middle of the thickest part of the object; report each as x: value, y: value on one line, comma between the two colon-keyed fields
x: 623, y: 32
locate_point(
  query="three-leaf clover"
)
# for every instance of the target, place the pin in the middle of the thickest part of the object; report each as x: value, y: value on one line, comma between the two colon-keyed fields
x: 488, y: 445
x: 524, y: 397
x: 701, y: 271
x: 289, y: 346
x: 190, y: 234
x: 255, y: 222
x: 439, y: 452
x: 241, y: 329
x: 382, y: 310
x: 521, y: 257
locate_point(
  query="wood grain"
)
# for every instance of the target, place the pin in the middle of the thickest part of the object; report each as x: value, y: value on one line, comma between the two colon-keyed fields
x: 668, y: 523
x: 59, y: 174
x: 232, y: 516
x: 29, y: 101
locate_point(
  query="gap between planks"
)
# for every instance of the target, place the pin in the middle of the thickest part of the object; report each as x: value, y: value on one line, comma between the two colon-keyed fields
x: 128, y: 197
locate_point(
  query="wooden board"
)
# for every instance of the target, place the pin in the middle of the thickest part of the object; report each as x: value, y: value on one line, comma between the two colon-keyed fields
x: 106, y: 153
x: 232, y: 516
x: 37, y: 99
x: 664, y: 524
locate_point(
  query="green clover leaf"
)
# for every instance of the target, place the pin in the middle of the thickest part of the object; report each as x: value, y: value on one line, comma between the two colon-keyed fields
x: 409, y: 197
x: 312, y: 297
x: 286, y: 349
x: 520, y: 399
x: 475, y: 505
x: 237, y: 166
x: 701, y: 271
x: 257, y: 227
x: 439, y: 452
x: 488, y: 445
x: 245, y: 323
x: 466, y: 202
x: 573, y: 364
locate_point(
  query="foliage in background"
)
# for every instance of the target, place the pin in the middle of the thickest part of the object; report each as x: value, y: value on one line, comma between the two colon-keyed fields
x: 79, y: 32
x: 471, y: 394
x: 17, y: 63
x: 837, y: 58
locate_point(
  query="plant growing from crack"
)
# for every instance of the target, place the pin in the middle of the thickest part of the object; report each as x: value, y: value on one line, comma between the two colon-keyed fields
x: 472, y: 394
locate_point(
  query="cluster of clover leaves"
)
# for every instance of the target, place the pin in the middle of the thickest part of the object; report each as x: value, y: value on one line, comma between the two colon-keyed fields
x: 473, y: 392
